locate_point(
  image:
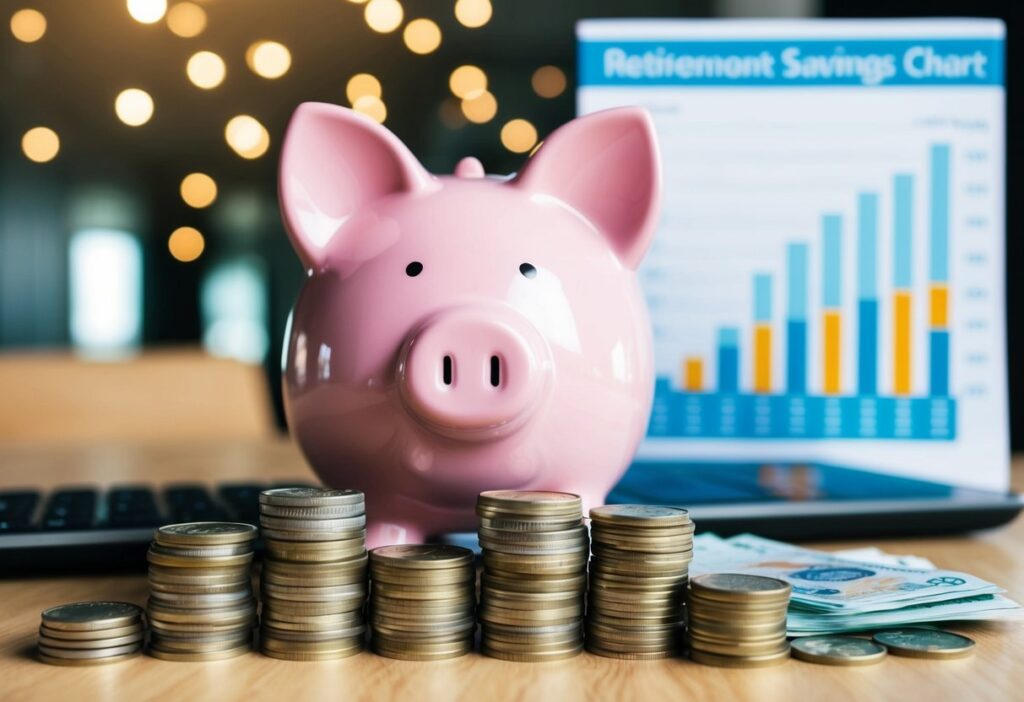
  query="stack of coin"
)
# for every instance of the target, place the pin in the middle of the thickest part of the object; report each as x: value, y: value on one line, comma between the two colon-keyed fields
x: 91, y: 633
x: 423, y: 601
x: 313, y: 583
x: 201, y: 606
x: 535, y: 550
x: 738, y: 621
x: 638, y: 577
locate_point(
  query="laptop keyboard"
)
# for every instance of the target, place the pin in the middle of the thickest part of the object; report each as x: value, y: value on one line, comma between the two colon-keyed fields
x: 88, y: 526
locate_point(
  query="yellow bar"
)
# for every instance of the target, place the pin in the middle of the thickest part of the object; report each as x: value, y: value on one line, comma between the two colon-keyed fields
x: 901, y: 342
x: 762, y: 358
x: 693, y: 374
x: 833, y: 336
x: 939, y: 307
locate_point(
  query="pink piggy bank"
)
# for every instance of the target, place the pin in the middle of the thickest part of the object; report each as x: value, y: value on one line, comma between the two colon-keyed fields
x: 466, y: 333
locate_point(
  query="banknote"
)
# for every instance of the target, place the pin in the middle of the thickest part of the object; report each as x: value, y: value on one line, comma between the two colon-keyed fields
x: 825, y: 582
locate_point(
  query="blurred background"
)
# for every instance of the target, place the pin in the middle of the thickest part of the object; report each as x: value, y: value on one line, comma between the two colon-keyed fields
x: 139, y: 228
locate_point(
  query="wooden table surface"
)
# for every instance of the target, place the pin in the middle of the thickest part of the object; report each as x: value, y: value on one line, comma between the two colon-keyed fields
x: 994, y: 673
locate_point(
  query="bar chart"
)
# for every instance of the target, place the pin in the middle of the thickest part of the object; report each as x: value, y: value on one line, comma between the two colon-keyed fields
x: 826, y: 280
x: 783, y: 407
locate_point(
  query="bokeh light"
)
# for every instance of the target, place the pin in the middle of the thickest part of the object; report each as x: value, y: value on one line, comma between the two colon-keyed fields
x: 422, y: 36
x: 383, y: 15
x: 268, y: 59
x: 480, y: 108
x: 134, y: 107
x: 247, y: 137
x: 198, y: 190
x: 186, y: 244
x: 548, y: 81
x: 372, y: 107
x: 186, y: 20
x: 206, y: 70
x: 518, y: 136
x: 466, y: 81
x: 40, y: 144
x: 147, y: 11
x: 362, y: 84
x: 473, y: 13
x: 28, y: 25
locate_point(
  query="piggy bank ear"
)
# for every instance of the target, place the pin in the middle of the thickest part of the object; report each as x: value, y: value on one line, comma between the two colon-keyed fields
x: 333, y: 162
x: 605, y: 166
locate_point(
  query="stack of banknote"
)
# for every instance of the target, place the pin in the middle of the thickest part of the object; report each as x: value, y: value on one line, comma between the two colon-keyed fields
x: 835, y: 593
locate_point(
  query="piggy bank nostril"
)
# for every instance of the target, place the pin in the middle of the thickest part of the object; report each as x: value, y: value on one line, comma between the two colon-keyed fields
x: 447, y: 370
x: 495, y: 371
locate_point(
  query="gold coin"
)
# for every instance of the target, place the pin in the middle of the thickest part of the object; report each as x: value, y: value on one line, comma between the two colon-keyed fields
x: 528, y: 503
x: 732, y: 587
x: 739, y: 661
x: 316, y: 623
x: 520, y: 657
x: 201, y: 601
x: 156, y: 557
x: 346, y: 632
x: 309, y: 536
x: 236, y: 633
x: 89, y: 652
x: 180, y: 589
x: 202, y: 551
x: 738, y: 649
x: 356, y: 564
x: 533, y: 525
x: 436, y: 578
x: 268, y: 643
x: 597, y: 650
x: 310, y: 609
x: 171, y: 645
x: 425, y: 655
x: 571, y: 583
x: 89, y: 616
x: 535, y: 565
x: 200, y: 628
x: 563, y: 548
x: 90, y: 634
x: 838, y: 650
x: 78, y: 662
x: 205, y: 533
x: 342, y: 652
x: 532, y: 647
x: 184, y: 656
x: 221, y: 616
x: 82, y: 644
x: 418, y: 629
x: 201, y: 577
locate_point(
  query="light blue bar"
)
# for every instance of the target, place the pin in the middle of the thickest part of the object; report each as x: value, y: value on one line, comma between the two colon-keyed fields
x: 832, y: 282
x: 796, y: 276
x: 939, y: 209
x: 867, y: 246
x: 729, y: 336
x: 762, y: 297
x: 902, y: 227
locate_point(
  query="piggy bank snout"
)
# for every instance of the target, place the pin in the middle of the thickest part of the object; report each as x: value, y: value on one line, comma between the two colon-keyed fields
x: 472, y: 373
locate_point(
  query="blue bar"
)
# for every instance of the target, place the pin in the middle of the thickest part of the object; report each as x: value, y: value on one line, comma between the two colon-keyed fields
x: 728, y: 360
x: 796, y: 276
x: 867, y: 245
x: 939, y: 208
x: 939, y: 372
x: 762, y: 297
x: 832, y: 282
x: 796, y: 357
x: 902, y: 226
x: 867, y: 347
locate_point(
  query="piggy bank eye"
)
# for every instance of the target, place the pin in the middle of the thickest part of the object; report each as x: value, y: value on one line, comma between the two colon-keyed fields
x: 527, y: 270
x: 414, y: 269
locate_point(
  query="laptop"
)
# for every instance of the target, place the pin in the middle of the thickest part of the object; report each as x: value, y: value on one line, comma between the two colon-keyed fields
x: 826, y: 283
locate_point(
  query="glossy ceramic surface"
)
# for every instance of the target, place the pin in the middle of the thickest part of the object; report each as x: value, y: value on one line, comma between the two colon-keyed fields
x: 466, y: 333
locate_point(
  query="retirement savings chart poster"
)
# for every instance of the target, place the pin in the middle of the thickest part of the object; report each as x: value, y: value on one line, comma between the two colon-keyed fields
x: 826, y: 282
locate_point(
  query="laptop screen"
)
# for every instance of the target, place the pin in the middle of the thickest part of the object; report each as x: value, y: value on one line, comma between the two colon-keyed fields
x: 826, y: 283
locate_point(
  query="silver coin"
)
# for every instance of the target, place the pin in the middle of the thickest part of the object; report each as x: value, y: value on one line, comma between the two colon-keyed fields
x: 741, y: 584
x: 206, y: 532
x: 648, y: 514
x: 837, y: 650
x: 91, y: 615
x: 310, y: 497
x: 925, y: 643
x: 89, y: 652
x: 328, y: 512
x: 288, y: 523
